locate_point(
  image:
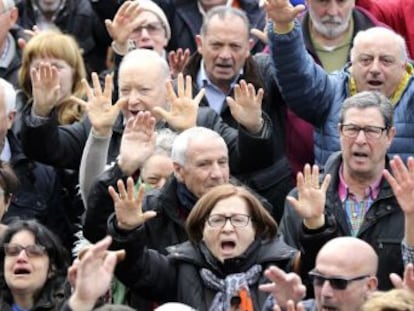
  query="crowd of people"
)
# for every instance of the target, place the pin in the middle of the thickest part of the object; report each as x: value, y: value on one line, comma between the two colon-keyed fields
x: 206, y: 155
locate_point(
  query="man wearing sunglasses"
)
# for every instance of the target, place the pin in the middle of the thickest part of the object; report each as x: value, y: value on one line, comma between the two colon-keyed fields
x: 354, y: 198
x: 339, y: 283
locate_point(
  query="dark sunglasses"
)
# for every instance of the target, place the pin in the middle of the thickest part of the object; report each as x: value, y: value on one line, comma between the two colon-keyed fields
x: 31, y: 250
x: 336, y: 282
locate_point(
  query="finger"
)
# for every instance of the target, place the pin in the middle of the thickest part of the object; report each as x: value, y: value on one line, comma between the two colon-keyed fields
x: 326, y: 182
x: 396, y: 280
x: 114, y: 195
x: 171, y: 95
x: 96, y: 84
x: 108, y: 86
x: 79, y: 101
x: 109, y: 27
x: 122, y: 103
x: 261, y: 35
x: 307, y: 176
x: 130, y: 188
x: 109, y: 262
x: 188, y: 87
x: 251, y: 91
x: 237, y: 93
x: 199, y: 96
x: 161, y: 113
x: 180, y: 85
x: 259, y: 97
x: 315, y: 176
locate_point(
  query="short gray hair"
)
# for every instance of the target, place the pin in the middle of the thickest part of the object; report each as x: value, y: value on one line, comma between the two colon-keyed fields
x: 399, y: 40
x: 222, y: 11
x: 165, y: 141
x: 180, y: 146
x: 368, y: 99
x: 9, y: 95
x: 8, y: 4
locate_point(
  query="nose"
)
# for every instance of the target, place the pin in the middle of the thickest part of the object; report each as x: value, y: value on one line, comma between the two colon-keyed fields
x: 144, y: 33
x: 134, y: 97
x: 332, y: 8
x: 361, y: 138
x: 227, y: 225
x: 22, y: 256
x: 326, y: 289
x: 225, y: 52
x: 216, y: 171
x: 375, y: 66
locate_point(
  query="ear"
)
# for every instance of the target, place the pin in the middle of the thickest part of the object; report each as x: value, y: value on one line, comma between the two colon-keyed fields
x: 199, y: 42
x: 178, y: 172
x: 14, y: 15
x: 10, y: 119
x: 372, y: 285
x: 251, y: 44
x: 390, y: 135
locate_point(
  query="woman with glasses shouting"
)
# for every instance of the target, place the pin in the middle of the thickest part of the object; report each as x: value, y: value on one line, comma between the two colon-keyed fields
x: 232, y: 240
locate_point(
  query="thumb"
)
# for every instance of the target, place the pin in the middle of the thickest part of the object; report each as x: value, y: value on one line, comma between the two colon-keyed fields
x: 108, y: 25
x: 160, y: 113
x: 396, y: 280
x: 260, y: 34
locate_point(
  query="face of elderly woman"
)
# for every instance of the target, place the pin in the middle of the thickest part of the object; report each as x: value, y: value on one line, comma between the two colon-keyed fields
x: 228, y: 232
x: 25, y: 271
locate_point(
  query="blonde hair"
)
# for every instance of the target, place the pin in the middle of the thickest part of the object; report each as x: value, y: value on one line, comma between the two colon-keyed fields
x: 393, y: 300
x: 53, y: 43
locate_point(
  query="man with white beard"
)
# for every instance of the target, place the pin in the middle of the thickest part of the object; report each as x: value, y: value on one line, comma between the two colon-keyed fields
x: 329, y: 27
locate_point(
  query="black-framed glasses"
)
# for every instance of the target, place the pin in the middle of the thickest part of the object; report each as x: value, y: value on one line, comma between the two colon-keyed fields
x: 34, y: 250
x: 152, y: 28
x: 335, y: 282
x: 237, y: 220
x: 370, y: 132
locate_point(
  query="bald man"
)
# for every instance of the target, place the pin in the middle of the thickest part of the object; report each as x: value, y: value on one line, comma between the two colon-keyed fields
x: 343, y: 277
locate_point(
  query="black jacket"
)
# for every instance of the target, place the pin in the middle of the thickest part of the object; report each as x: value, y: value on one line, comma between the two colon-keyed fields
x: 39, y: 196
x: 382, y: 228
x: 176, y: 277
x: 77, y: 18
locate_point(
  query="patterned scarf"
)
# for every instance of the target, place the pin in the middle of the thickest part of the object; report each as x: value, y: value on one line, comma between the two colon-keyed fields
x: 234, y: 285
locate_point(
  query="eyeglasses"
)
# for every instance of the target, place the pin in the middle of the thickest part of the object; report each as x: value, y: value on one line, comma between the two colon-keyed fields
x: 371, y: 132
x: 237, y: 220
x: 152, y: 28
x: 336, y: 282
x: 31, y: 250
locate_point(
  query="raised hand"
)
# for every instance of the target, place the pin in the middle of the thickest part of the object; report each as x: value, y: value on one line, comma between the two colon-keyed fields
x: 246, y: 107
x: 123, y: 23
x: 128, y: 206
x: 282, y: 12
x: 138, y: 142
x: 284, y: 286
x: 99, y: 108
x: 407, y: 282
x: 177, y: 61
x: 183, y: 107
x: 92, y: 275
x: 290, y: 306
x: 402, y: 182
x: 45, y: 89
x: 310, y: 204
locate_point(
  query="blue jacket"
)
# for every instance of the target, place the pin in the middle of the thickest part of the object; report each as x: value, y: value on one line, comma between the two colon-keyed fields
x: 317, y: 96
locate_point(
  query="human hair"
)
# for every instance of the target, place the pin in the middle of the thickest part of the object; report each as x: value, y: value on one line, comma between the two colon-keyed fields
x: 9, y: 182
x: 222, y: 11
x: 368, y: 99
x: 9, y: 95
x: 393, y: 300
x: 58, y: 257
x: 181, y: 142
x: 368, y: 33
x: 145, y: 55
x: 112, y: 307
x: 263, y: 222
x: 165, y: 140
x: 53, y: 43
x: 8, y: 4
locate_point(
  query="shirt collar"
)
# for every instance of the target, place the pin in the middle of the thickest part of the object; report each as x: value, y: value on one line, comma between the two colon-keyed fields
x: 343, y: 189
